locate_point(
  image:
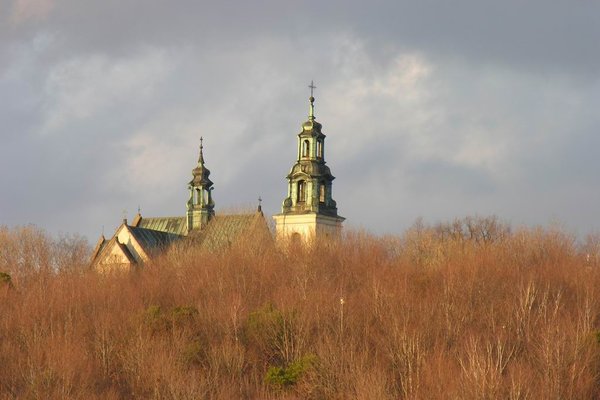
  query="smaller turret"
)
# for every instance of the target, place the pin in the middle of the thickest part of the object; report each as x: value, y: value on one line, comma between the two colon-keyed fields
x: 200, y: 206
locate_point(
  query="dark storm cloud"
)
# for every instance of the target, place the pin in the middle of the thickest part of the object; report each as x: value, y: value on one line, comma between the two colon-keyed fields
x: 541, y: 34
x: 438, y: 109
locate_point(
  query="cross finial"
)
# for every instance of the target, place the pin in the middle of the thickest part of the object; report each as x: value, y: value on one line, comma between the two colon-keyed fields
x: 259, y: 204
x: 312, y: 88
x: 139, y: 209
x: 201, y: 157
x: 311, y: 110
x: 124, y: 216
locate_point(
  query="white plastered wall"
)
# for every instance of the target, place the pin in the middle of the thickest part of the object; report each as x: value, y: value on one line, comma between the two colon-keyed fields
x: 309, y: 226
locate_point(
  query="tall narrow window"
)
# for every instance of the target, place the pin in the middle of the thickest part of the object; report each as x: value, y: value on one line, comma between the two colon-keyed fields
x: 322, y: 192
x: 305, y: 148
x: 296, y: 240
x: 320, y: 149
x: 301, y: 191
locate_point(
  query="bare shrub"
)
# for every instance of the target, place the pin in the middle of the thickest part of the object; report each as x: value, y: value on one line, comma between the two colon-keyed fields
x: 406, y: 354
x: 483, y: 366
x: 470, y: 309
x: 28, y: 249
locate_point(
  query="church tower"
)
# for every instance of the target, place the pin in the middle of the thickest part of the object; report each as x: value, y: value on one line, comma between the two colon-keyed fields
x: 309, y: 211
x: 200, y: 206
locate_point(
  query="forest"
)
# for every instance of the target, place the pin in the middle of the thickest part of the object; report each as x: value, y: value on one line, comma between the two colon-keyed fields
x: 470, y: 309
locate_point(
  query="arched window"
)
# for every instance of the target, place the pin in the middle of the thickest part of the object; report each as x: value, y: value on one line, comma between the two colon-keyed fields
x: 305, y: 148
x: 301, y: 191
x: 320, y: 149
x: 295, y: 241
x: 322, y: 192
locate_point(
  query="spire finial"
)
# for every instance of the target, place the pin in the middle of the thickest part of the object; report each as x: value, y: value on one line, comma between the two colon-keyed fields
x: 201, y: 157
x: 259, y: 204
x: 311, y: 111
x: 139, y: 209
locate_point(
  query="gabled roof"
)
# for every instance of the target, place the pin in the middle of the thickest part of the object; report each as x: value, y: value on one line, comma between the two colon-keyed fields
x: 127, y: 253
x: 104, y: 250
x: 174, y: 225
x: 224, y: 230
x: 99, y: 247
x: 152, y: 241
x: 151, y: 236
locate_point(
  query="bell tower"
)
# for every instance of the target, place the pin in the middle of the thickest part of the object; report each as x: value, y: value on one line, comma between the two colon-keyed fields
x: 309, y: 211
x: 200, y: 206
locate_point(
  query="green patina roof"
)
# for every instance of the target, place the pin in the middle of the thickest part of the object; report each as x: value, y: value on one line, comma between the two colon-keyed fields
x: 155, y: 234
x: 223, y: 230
x: 153, y: 240
x: 174, y: 225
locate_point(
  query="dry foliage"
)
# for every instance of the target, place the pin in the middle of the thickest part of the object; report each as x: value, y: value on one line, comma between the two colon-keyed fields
x: 468, y: 310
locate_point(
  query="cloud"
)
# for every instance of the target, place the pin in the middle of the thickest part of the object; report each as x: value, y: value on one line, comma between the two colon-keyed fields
x: 78, y: 89
x: 26, y: 10
x: 430, y: 109
x: 450, y: 139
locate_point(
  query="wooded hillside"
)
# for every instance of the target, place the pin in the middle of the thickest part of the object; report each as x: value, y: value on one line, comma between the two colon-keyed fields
x: 469, y: 310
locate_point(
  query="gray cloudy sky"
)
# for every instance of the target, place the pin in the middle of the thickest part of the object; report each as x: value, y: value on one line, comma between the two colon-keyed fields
x: 439, y: 109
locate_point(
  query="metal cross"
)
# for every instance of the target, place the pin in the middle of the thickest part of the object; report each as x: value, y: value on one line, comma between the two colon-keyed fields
x: 312, y: 87
x: 259, y: 200
x: 201, y: 139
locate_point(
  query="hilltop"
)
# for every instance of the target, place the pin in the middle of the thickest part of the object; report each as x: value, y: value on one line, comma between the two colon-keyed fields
x: 471, y: 309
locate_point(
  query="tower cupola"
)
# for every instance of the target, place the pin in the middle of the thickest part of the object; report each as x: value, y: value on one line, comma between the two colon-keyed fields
x: 309, y: 207
x: 200, y: 206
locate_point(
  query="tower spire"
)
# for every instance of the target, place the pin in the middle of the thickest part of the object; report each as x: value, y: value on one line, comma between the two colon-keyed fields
x: 200, y: 206
x: 311, y: 110
x: 309, y: 209
x: 201, y: 157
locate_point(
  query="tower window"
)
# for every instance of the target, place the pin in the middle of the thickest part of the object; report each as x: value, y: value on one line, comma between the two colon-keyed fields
x: 305, y: 148
x: 320, y: 149
x: 301, y: 191
x: 322, y: 192
x: 296, y: 240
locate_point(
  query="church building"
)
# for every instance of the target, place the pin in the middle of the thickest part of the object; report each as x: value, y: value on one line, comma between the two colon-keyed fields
x: 308, y: 213
x: 146, y: 238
